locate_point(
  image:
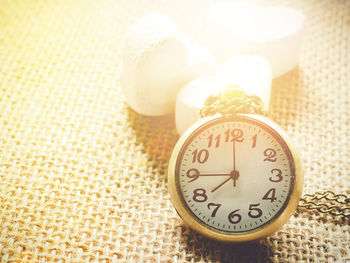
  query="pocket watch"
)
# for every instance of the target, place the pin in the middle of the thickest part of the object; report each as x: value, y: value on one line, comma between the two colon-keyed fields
x: 235, y: 176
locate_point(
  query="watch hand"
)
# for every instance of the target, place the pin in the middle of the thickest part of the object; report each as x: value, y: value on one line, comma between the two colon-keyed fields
x: 224, y: 182
x: 194, y: 174
x: 214, y: 174
x: 237, y: 137
x: 234, y: 175
x: 234, y: 156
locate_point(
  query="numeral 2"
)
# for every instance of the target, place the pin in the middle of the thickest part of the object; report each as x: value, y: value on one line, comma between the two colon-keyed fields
x: 270, y: 155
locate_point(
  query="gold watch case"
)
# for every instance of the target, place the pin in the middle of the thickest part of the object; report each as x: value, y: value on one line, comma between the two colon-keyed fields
x: 275, y: 223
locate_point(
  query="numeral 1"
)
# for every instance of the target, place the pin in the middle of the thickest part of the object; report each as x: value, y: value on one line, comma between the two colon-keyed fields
x: 227, y: 135
x: 254, y: 140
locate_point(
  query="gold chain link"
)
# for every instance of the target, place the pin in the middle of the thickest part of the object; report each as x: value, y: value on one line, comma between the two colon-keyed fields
x: 234, y: 101
x: 327, y: 202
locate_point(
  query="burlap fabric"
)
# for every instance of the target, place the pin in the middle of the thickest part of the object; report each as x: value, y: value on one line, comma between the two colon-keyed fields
x: 83, y: 177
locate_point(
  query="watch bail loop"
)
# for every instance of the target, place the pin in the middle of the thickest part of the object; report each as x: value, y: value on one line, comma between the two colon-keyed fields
x: 232, y: 101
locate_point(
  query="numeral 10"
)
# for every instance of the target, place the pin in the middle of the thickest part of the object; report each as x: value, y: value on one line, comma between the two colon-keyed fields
x: 200, y: 156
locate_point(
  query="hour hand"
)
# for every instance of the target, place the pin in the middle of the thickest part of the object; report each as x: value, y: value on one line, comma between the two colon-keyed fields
x: 233, y: 175
x: 194, y: 174
x: 224, y: 182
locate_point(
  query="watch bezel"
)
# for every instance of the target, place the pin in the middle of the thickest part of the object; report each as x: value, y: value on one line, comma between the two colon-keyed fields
x: 267, y: 229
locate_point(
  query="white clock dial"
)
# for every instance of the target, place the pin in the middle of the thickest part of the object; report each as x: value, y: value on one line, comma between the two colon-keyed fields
x: 235, y: 174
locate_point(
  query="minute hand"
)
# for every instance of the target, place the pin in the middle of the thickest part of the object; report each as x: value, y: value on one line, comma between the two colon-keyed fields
x: 234, y: 156
x: 235, y: 173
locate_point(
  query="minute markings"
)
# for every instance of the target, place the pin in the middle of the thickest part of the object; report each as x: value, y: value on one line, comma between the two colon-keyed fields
x: 204, y: 184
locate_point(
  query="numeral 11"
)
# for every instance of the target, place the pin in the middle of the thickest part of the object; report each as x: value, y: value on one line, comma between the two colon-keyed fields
x: 217, y: 140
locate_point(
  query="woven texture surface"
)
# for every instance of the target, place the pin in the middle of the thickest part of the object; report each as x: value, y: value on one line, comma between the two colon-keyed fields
x: 83, y: 177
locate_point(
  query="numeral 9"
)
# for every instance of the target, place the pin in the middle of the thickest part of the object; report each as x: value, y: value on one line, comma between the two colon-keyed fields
x: 192, y: 174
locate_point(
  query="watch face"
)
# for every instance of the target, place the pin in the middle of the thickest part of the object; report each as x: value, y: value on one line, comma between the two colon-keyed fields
x: 234, y: 175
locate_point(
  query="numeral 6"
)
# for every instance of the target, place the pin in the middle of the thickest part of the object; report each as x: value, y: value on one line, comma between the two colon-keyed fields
x: 234, y: 217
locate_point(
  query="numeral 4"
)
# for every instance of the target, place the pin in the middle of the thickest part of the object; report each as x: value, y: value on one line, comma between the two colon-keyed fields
x: 270, y: 195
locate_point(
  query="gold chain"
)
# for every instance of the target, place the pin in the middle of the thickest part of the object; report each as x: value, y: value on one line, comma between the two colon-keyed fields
x: 234, y: 101
x: 334, y: 204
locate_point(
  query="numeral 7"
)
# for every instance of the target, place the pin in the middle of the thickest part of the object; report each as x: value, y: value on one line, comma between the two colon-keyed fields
x: 217, y: 206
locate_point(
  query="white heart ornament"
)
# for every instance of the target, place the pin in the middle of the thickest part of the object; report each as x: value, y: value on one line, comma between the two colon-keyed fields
x: 275, y: 33
x: 157, y: 61
x: 190, y: 100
